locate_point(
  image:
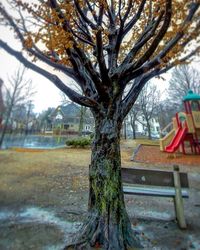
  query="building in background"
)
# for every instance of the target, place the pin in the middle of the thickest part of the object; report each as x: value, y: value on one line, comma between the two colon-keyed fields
x: 66, y: 119
x: 140, y: 128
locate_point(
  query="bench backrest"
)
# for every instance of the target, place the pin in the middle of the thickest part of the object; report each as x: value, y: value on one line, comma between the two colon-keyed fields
x: 152, y: 177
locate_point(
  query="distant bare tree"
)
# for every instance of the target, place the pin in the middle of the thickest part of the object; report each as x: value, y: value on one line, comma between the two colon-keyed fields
x: 44, y: 119
x: 148, y: 101
x: 29, y: 115
x: 64, y: 99
x: 18, y: 92
x: 165, y: 112
x: 133, y: 117
x: 183, y: 78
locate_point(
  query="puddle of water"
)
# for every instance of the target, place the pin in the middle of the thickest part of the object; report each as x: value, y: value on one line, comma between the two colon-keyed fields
x: 157, y: 215
x: 57, y: 247
x: 40, y: 216
x: 33, y: 141
x: 195, y: 241
x: 6, y: 215
x: 39, y: 224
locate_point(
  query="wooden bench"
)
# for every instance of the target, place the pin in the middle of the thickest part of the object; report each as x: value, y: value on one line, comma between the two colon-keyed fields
x: 158, y: 183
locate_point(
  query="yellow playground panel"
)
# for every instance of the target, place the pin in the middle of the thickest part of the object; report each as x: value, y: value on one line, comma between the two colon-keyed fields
x: 196, y: 117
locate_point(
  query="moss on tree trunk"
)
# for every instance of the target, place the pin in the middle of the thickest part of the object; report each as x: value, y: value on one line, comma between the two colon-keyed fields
x: 108, y: 225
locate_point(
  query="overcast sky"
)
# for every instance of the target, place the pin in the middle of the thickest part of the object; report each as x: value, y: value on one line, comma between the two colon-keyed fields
x: 47, y: 95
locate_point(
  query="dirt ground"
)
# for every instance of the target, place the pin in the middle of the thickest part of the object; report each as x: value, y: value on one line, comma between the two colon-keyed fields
x: 151, y: 154
x: 43, y: 201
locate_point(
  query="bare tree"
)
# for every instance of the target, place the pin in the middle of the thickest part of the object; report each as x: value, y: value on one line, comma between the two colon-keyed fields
x: 64, y: 99
x: 183, y: 78
x: 133, y: 115
x: 19, y: 92
x: 105, y: 46
x: 147, y: 102
x: 44, y: 119
x: 29, y: 115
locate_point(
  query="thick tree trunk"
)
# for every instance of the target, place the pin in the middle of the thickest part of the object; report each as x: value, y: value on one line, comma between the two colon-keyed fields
x: 108, y: 225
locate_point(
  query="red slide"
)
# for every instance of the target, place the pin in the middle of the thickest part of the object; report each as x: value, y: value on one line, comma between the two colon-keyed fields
x: 177, y: 140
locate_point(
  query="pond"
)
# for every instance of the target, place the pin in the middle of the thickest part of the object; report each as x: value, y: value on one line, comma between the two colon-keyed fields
x: 33, y: 141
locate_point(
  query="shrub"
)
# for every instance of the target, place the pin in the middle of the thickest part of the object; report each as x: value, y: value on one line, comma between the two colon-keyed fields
x: 79, y: 142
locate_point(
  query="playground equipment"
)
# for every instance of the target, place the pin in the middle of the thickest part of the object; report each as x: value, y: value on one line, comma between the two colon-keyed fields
x: 186, y: 127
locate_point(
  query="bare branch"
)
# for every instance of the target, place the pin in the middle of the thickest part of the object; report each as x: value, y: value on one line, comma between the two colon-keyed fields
x: 83, y: 16
x: 130, y: 70
x: 100, y: 58
x: 92, y: 11
x: 135, y: 90
x: 37, y: 53
x: 135, y: 18
x: 78, y: 53
x: 85, y: 33
x: 159, y: 36
x: 148, y: 33
x: 58, y: 83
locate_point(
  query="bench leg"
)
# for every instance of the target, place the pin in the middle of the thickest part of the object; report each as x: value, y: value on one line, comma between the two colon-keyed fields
x: 178, y: 200
x: 178, y: 203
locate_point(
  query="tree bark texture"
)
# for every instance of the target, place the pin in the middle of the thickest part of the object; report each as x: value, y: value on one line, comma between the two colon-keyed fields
x: 108, y: 225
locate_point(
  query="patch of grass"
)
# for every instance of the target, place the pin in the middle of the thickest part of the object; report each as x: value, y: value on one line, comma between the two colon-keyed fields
x: 79, y: 142
x: 41, y: 178
x: 51, y: 177
x: 47, y: 177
